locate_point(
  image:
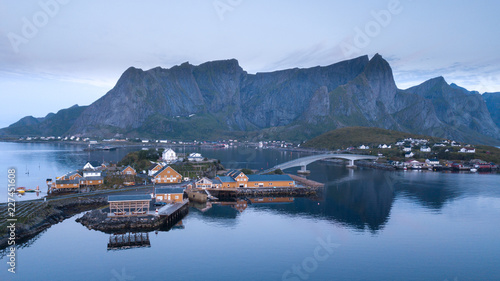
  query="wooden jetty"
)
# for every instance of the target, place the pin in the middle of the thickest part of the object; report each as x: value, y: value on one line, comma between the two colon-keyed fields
x: 174, y: 213
x: 306, y: 182
x: 128, y: 240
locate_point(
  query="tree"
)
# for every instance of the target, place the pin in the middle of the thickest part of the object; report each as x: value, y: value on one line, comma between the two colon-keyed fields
x: 278, y: 172
x: 246, y: 171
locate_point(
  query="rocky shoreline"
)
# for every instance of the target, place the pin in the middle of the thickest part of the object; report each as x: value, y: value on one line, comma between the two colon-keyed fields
x: 46, y: 214
x: 98, y: 220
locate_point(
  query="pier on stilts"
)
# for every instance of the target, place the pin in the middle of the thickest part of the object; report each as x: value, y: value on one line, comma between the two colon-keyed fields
x: 306, y: 182
x: 128, y: 240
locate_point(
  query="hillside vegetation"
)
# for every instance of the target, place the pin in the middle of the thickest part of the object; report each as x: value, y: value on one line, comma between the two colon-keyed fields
x: 355, y: 136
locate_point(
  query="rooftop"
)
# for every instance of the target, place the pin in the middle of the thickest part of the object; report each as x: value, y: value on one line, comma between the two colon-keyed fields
x: 140, y: 197
x: 226, y: 179
x: 168, y: 190
x: 269, y: 178
x: 77, y: 181
x: 92, y: 178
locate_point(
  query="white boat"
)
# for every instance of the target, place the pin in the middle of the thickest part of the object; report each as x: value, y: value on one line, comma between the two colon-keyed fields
x: 473, y: 170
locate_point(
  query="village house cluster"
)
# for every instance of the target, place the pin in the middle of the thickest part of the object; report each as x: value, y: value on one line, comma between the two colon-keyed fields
x: 422, y: 148
x: 91, y: 175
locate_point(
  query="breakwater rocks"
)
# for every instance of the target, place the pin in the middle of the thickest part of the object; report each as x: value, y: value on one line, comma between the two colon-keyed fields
x: 99, y: 220
x: 265, y: 192
x: 34, y: 217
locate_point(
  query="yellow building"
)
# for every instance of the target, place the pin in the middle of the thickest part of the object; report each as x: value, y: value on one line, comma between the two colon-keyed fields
x: 128, y: 171
x: 226, y: 182
x: 169, y: 195
x: 237, y: 179
x: 167, y: 175
x: 153, y: 169
x: 67, y: 184
x: 91, y: 181
x: 129, y: 174
x: 70, y: 176
x: 270, y: 181
x: 205, y: 183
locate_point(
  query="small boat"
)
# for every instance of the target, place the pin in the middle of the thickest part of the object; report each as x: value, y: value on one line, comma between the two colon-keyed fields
x: 473, y: 170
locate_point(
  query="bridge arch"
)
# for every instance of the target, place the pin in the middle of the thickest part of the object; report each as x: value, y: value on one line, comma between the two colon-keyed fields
x: 304, y: 161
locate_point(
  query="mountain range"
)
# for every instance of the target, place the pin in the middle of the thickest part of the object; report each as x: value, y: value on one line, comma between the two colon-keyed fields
x: 219, y: 99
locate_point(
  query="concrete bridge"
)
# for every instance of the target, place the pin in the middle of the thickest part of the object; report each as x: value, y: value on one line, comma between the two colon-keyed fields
x: 304, y: 161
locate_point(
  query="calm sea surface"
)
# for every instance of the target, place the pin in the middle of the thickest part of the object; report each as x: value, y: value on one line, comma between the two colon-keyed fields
x: 367, y: 225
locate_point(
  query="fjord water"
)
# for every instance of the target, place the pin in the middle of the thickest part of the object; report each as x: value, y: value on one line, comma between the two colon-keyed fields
x: 367, y: 225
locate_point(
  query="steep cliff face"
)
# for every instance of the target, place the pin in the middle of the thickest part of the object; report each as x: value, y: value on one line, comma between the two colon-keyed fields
x: 158, y: 99
x: 219, y: 98
x: 462, y: 113
x: 279, y: 98
x: 493, y: 104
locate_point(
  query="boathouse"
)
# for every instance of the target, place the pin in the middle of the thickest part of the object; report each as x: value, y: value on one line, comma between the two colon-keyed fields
x: 67, y: 184
x: 237, y: 179
x: 129, y: 205
x: 270, y: 181
x: 226, y: 181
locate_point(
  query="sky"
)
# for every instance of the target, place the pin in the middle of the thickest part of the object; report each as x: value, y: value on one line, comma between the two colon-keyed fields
x: 57, y: 53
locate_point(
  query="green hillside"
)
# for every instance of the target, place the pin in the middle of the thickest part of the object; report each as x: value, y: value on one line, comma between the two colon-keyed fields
x: 355, y: 136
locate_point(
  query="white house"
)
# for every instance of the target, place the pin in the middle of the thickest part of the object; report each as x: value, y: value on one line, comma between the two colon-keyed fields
x: 169, y: 155
x: 364, y: 147
x: 425, y: 149
x: 88, y: 166
x: 432, y: 162
x: 196, y: 157
x: 91, y: 173
x: 407, y: 148
x: 409, y: 154
x: 384, y: 146
x: 467, y: 150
